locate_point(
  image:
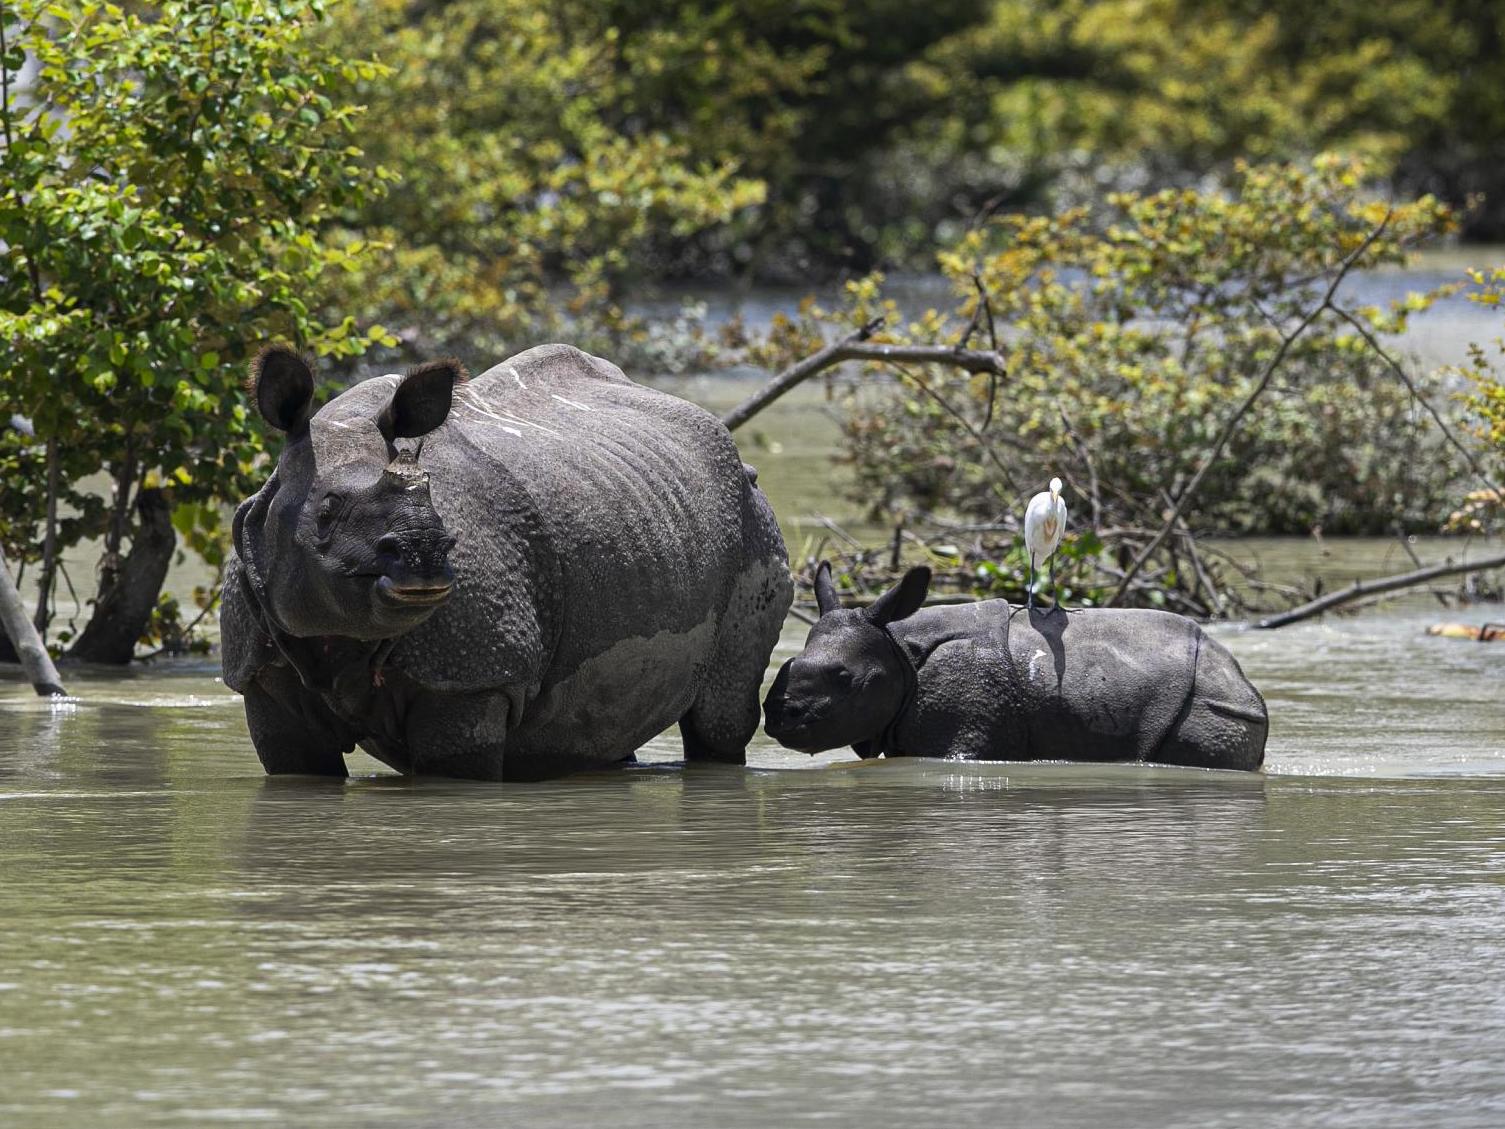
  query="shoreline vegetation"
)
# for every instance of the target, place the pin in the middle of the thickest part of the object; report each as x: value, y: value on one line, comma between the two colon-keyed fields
x: 1129, y: 300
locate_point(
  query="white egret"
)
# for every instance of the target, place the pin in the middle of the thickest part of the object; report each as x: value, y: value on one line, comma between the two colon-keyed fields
x: 1044, y: 522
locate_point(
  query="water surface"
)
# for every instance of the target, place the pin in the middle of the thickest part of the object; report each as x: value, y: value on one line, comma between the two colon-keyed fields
x: 185, y: 942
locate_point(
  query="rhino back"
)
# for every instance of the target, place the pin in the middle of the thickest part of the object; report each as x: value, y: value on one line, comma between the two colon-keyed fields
x: 589, y: 511
x: 1088, y: 685
x: 1103, y: 683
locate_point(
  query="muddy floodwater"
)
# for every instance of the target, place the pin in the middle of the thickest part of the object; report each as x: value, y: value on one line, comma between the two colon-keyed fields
x: 185, y: 942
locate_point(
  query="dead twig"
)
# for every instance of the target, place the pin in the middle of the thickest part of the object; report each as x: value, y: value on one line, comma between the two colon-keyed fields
x: 839, y: 531
x: 1410, y: 552
x: 967, y: 425
x: 1094, y: 495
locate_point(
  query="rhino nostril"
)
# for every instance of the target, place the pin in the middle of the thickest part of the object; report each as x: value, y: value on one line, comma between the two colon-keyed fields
x: 389, y: 545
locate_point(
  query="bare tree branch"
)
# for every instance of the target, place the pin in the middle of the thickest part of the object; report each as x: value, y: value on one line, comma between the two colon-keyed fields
x: 856, y: 347
x: 967, y: 425
x: 1362, y: 588
x: 1085, y: 454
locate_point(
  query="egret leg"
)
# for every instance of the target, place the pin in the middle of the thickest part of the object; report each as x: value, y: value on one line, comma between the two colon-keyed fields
x: 1055, y: 593
x: 1029, y: 593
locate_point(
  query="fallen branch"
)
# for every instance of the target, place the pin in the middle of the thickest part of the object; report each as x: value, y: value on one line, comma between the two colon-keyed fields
x: 1231, y: 424
x: 856, y: 347
x: 35, y: 660
x: 1361, y: 588
x: 1410, y: 552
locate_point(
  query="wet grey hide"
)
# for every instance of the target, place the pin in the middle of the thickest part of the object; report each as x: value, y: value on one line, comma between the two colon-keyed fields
x: 517, y: 576
x: 989, y: 681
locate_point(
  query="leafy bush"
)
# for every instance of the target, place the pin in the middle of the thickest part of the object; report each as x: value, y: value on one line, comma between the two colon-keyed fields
x: 1133, y: 334
x: 1484, y: 509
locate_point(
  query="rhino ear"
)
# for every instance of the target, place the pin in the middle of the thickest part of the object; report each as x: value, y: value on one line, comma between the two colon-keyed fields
x: 826, y: 598
x: 422, y: 401
x: 903, y: 599
x: 283, y: 385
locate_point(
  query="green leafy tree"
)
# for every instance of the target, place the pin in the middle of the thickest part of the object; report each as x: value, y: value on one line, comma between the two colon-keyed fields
x: 1429, y: 75
x: 529, y: 187
x: 164, y: 174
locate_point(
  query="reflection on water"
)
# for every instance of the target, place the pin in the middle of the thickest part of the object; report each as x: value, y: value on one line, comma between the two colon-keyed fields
x: 183, y: 942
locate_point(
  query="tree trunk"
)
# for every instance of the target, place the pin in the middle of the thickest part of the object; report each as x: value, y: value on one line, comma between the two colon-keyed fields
x: 15, y: 626
x: 122, y: 611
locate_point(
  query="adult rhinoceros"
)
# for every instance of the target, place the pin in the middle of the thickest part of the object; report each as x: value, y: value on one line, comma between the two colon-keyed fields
x: 993, y: 681
x: 515, y: 576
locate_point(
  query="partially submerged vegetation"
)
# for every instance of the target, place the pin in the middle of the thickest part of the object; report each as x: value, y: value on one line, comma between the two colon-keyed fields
x: 1483, y: 510
x: 1187, y: 362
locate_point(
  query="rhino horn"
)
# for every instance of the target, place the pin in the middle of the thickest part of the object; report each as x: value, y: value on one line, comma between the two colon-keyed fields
x: 405, y: 472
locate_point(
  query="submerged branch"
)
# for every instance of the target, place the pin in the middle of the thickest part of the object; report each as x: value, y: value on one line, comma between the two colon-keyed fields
x: 1361, y: 588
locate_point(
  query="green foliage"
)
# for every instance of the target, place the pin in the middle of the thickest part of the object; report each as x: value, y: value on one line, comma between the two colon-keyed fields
x: 168, y: 633
x: 1003, y: 570
x: 1194, y: 83
x: 1484, y: 509
x: 529, y: 183
x: 1132, y: 337
x: 1053, y: 102
x: 164, y: 173
x: 553, y: 155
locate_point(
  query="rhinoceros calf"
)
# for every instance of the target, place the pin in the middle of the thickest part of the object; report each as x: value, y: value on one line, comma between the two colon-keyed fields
x: 989, y: 681
x: 515, y: 576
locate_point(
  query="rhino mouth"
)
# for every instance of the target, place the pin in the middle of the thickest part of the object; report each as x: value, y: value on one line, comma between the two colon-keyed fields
x: 793, y: 733
x: 413, y: 595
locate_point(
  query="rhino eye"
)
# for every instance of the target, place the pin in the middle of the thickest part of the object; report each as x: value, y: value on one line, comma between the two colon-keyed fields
x: 842, y: 677
x: 329, y: 510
